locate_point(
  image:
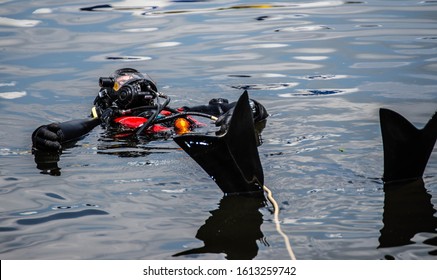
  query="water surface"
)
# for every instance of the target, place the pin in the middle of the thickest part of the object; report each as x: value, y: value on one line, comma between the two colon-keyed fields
x: 321, y: 68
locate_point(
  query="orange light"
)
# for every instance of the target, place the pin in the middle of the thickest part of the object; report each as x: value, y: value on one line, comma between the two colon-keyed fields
x: 182, y: 126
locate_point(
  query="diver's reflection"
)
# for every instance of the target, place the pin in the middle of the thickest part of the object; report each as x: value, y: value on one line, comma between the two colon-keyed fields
x: 47, y: 162
x: 233, y: 229
x: 407, y: 211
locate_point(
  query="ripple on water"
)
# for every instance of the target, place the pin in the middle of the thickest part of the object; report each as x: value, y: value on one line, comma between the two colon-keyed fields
x: 319, y: 92
x: 322, y: 156
x: 61, y: 216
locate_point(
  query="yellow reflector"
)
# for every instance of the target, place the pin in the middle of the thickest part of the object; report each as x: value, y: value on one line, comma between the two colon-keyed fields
x: 116, y: 86
x: 94, y: 112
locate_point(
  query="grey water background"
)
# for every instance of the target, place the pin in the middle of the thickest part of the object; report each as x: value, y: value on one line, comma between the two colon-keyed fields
x: 321, y: 68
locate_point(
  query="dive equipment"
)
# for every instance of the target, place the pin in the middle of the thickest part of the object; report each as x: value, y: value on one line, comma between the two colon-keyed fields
x: 127, y: 88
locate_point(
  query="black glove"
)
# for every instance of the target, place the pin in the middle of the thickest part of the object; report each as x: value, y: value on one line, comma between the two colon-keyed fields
x: 259, y: 111
x: 48, y: 137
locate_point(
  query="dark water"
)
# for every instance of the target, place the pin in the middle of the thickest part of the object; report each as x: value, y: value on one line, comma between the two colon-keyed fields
x: 322, y: 69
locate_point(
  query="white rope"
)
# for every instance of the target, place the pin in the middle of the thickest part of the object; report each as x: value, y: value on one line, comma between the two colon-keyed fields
x: 277, y: 223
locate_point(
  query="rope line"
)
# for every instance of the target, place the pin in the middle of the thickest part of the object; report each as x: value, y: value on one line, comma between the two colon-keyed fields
x: 277, y: 223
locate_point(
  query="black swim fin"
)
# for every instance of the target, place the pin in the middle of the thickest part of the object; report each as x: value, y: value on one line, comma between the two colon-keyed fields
x: 230, y: 159
x: 406, y: 148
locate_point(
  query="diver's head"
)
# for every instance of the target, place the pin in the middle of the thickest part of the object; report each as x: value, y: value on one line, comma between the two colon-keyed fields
x: 127, y: 88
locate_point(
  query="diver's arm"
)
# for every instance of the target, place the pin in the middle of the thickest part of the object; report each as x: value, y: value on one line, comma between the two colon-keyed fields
x: 75, y: 129
x: 221, y: 107
x: 216, y: 107
x: 51, y: 137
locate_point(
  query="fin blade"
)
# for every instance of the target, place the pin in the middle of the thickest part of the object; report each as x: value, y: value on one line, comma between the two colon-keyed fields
x: 406, y: 148
x: 242, y: 141
x: 231, y: 159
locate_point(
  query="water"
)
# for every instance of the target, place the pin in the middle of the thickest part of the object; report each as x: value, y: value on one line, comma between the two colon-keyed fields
x: 322, y: 69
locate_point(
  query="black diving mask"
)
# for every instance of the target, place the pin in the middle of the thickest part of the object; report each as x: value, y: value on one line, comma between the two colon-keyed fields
x: 128, y: 88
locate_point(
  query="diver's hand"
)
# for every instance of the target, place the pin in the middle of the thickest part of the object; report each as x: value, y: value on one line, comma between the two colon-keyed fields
x: 259, y: 111
x: 48, y: 137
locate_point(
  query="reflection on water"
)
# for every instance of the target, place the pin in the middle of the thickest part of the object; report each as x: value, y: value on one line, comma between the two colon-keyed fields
x: 233, y: 229
x: 407, y: 211
x: 321, y: 68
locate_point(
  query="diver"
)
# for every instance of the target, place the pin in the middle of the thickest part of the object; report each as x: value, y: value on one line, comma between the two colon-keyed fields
x: 129, y: 105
